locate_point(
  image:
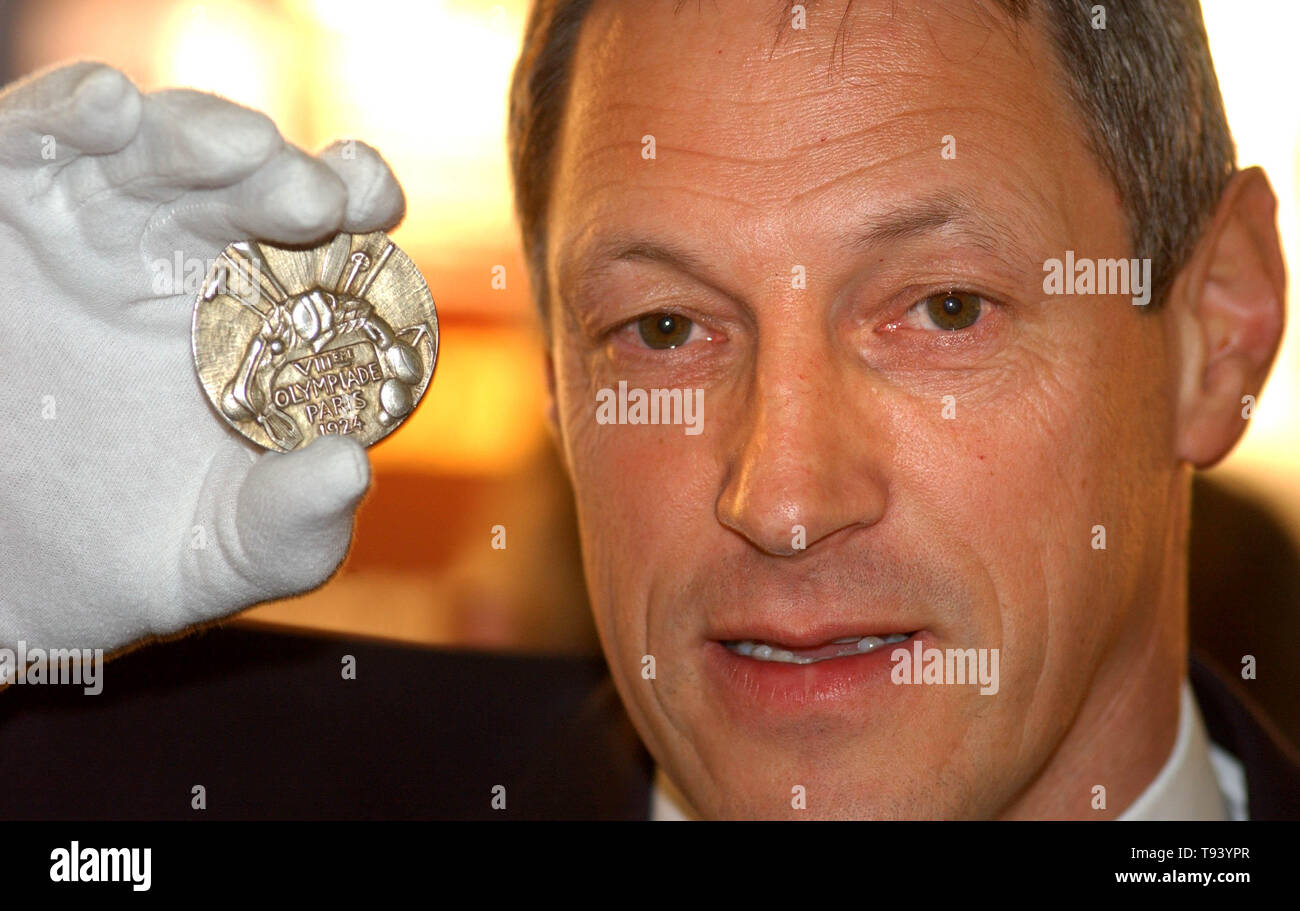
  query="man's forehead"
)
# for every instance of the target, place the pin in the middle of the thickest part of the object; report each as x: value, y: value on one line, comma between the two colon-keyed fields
x: 710, y: 81
x: 754, y: 51
x: 764, y: 130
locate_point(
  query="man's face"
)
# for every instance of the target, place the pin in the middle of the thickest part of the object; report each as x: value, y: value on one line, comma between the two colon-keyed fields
x: 962, y: 522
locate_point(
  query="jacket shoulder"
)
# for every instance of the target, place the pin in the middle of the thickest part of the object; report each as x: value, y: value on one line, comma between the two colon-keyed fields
x: 1235, y: 723
x: 271, y: 727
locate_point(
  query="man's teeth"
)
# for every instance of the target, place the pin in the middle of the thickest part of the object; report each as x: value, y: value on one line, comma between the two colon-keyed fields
x: 853, y: 645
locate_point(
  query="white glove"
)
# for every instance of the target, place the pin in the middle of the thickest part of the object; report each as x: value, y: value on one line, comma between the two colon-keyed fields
x: 127, y: 507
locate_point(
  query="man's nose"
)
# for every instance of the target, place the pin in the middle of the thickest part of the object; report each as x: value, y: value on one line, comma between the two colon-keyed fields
x: 809, y: 451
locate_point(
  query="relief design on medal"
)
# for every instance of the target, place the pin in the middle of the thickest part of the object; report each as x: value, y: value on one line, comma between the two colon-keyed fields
x: 295, y: 344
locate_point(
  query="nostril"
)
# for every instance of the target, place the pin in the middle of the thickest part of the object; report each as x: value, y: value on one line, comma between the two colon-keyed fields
x: 772, y: 527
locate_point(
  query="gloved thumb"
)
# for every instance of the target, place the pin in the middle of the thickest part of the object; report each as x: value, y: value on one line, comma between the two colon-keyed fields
x: 294, y: 512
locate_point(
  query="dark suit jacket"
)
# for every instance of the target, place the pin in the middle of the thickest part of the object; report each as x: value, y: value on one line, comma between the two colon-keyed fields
x: 266, y: 724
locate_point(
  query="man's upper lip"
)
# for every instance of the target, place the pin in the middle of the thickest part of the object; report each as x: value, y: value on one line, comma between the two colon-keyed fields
x: 809, y: 636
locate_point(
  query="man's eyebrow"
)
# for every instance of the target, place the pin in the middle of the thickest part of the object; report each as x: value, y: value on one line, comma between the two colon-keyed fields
x: 650, y: 251
x: 945, y: 211
x: 597, y: 261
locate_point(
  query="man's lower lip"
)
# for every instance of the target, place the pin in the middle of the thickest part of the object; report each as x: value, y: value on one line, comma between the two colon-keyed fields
x: 748, y: 685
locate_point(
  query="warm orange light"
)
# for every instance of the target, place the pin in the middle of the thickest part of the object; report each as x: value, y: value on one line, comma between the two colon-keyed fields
x: 251, y: 53
x: 483, y: 413
x: 426, y: 84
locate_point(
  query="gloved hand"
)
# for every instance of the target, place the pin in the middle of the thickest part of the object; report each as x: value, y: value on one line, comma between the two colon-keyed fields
x: 127, y: 507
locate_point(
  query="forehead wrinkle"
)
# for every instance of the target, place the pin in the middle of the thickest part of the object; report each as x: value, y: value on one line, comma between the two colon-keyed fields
x: 788, y: 100
x: 868, y: 46
x: 982, y: 17
x: 785, y: 157
x: 812, y: 156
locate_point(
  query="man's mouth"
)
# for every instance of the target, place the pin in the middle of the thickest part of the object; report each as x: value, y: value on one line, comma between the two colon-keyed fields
x: 844, y: 647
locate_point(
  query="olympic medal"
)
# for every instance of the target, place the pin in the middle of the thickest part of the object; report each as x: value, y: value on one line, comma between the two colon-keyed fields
x: 292, y: 344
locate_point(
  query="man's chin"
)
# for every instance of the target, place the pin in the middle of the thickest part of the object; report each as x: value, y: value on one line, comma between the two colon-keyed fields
x: 794, y: 796
x: 878, y: 765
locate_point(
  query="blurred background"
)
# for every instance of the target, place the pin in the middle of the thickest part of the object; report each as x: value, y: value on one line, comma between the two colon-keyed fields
x: 426, y: 83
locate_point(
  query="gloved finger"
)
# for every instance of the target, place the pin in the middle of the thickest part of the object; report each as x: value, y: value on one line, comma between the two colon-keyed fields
x: 283, y: 522
x: 190, y: 139
x: 375, y: 198
x: 55, y: 115
x: 292, y: 199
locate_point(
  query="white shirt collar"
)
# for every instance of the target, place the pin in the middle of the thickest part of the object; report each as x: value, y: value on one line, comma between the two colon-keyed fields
x: 1198, y: 780
x: 1194, y: 782
x: 666, y: 803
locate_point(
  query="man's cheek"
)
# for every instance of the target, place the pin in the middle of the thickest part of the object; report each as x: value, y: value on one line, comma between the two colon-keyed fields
x: 1047, y: 491
x: 643, y: 497
x: 1003, y: 475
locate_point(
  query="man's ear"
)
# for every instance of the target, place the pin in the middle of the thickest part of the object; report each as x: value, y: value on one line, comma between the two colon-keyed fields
x: 1229, y: 304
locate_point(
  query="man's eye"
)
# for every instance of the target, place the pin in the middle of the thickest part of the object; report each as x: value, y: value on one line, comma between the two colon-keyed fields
x: 664, y: 330
x: 951, y: 311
